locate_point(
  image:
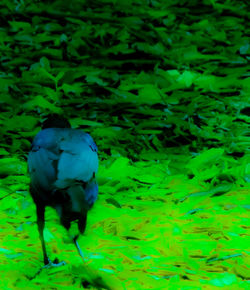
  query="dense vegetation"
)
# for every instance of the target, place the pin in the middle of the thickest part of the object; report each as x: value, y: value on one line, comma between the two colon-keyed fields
x: 163, y: 87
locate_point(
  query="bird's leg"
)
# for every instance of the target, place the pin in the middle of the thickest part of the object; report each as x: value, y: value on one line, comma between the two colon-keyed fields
x: 79, y: 250
x: 40, y: 222
x: 81, y: 226
x: 82, y: 222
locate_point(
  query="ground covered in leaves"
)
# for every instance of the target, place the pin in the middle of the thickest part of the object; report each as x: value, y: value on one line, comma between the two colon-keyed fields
x: 163, y: 87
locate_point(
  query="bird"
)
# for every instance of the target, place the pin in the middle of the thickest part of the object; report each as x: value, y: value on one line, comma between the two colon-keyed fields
x: 62, y: 165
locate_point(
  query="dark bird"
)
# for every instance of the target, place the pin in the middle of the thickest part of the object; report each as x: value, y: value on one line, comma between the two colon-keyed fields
x: 62, y: 165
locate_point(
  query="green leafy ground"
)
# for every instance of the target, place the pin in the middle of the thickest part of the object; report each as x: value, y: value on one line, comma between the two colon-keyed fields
x: 163, y: 87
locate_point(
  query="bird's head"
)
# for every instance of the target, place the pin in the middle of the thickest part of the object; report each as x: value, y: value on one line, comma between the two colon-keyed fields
x: 55, y: 121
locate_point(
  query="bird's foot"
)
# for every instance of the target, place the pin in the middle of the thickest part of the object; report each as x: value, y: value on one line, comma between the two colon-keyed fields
x: 49, y: 265
x: 55, y: 263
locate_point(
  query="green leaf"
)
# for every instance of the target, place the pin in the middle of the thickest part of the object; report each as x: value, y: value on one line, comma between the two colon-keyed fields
x: 149, y: 94
x: 206, y: 158
x: 225, y: 279
x: 41, y: 102
x: 45, y: 63
x: 10, y: 166
x: 59, y: 76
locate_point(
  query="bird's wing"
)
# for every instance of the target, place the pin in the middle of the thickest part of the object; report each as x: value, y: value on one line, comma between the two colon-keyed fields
x: 78, y: 160
x: 42, y: 161
x: 62, y: 157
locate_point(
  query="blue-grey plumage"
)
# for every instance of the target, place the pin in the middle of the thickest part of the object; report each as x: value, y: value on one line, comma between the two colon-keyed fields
x: 63, y: 163
x: 60, y: 157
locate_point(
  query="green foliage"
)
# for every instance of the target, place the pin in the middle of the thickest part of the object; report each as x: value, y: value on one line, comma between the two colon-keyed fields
x: 163, y: 87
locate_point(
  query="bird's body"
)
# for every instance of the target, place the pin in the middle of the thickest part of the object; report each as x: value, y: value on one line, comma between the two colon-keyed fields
x: 62, y: 165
